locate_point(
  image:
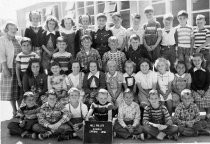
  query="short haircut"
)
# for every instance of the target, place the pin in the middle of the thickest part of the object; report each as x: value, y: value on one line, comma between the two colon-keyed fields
x: 182, y: 13
x: 27, y: 94
x: 66, y: 18
x: 86, y: 37
x: 180, y: 62
x: 136, y: 16
x: 51, y: 18
x: 112, y: 39
x: 200, y: 17
x: 168, y: 17
x: 61, y: 39
x: 167, y: 63
x: 187, y: 92
x: 148, y: 9
x: 117, y: 14
x: 130, y: 62
x: 9, y: 23
x: 51, y: 92
x: 101, y: 15
x: 153, y: 92
x: 73, y: 89
x: 34, y: 13
x: 54, y: 63
x: 134, y: 37
x: 128, y: 91
x: 25, y: 39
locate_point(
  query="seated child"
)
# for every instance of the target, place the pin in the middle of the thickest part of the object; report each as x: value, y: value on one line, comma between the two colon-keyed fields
x: 157, y: 121
x: 93, y: 81
x: 128, y: 118
x: 187, y: 116
x: 102, y: 109
x: 182, y: 80
x: 28, y: 117
x: 52, y: 118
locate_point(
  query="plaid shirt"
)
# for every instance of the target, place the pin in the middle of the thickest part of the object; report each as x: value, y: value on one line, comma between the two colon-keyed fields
x: 85, y: 58
x: 49, y: 115
x: 183, y: 114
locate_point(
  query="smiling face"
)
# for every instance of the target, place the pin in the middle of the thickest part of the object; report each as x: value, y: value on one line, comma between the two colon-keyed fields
x: 93, y: 68
x: 180, y: 69
x: 74, y: 97
x: 85, y: 20
x: 102, y: 98
x: 200, y: 23
x: 161, y: 67
x: 86, y: 43
x: 12, y: 30
x: 144, y: 67
x: 112, y: 68
x: 101, y: 22
x: 75, y: 68
x: 182, y: 20
x: 55, y: 69
x: 128, y: 98
x: 113, y: 45
x: 52, y: 100
x: 30, y: 101
x: 197, y: 61
x: 51, y: 25
x: 61, y: 46
x: 136, y: 21
x: 26, y: 47
x: 35, y: 67
x: 187, y: 99
x: 135, y: 44
x: 154, y: 100
x: 68, y: 24
x: 167, y: 23
x: 35, y: 18
x: 129, y: 68
x: 116, y: 20
x: 149, y: 15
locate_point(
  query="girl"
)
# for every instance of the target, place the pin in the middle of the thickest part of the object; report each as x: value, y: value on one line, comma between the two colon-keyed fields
x: 93, y: 81
x: 200, y: 83
x: 78, y: 112
x: 57, y: 82
x: 49, y: 37
x: 182, y: 80
x: 146, y: 80
x: 164, y: 80
x: 85, y: 21
x: 68, y: 33
x: 34, y: 31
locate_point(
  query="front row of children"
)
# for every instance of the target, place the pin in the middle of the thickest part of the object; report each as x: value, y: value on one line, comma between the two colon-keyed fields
x: 66, y: 122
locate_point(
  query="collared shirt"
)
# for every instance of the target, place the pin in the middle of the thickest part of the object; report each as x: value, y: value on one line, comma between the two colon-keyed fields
x: 130, y: 31
x: 51, y: 115
x: 196, y: 69
x: 114, y: 80
x: 120, y: 33
x: 168, y: 38
x: 200, y: 37
x: 128, y: 113
x: 48, y: 32
x: 183, y: 114
x: 93, y: 82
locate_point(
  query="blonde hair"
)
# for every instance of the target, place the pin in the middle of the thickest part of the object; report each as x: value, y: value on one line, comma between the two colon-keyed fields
x: 186, y: 91
x: 73, y: 89
x: 112, y: 39
x: 167, y: 63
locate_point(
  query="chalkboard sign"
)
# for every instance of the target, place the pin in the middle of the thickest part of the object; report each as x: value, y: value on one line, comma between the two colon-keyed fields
x: 98, y: 132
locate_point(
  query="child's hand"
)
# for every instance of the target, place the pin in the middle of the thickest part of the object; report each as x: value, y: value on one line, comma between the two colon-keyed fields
x: 19, y: 84
x: 130, y: 129
x: 153, y: 47
x: 162, y: 127
x: 22, y: 123
x: 190, y: 123
x: 76, y: 127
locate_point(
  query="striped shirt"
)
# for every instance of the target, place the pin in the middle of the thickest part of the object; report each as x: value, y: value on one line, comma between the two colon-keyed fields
x: 26, y: 112
x: 183, y: 36
x: 157, y: 116
x: 201, y: 36
x: 24, y: 59
x: 63, y: 59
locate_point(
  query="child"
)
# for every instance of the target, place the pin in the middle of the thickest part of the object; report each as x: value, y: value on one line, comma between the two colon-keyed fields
x: 78, y: 111
x: 146, y: 80
x: 34, y: 31
x: 136, y: 52
x: 182, y: 80
x: 84, y: 21
x: 157, y: 121
x: 87, y: 53
x: 152, y: 34
x: 164, y: 81
x: 202, y: 39
x: 93, y: 81
x: 168, y: 43
x: 200, y: 83
x: 68, y: 33
x: 101, y: 35
x: 63, y: 57
x: 128, y: 118
x: 57, y: 82
x: 49, y: 37
x: 184, y: 38
x: 114, y: 54
x: 102, y: 109
x: 52, y: 118
x: 119, y: 31
x: 187, y: 116
x: 114, y: 80
x: 22, y: 61
x: 28, y: 117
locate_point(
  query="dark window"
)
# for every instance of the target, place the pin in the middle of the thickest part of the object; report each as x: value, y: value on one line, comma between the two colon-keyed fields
x: 80, y: 4
x: 81, y: 11
x: 90, y: 10
x: 159, y: 9
x: 89, y: 2
x: 200, y: 4
x: 101, y: 8
x: 126, y: 18
x: 125, y: 4
x: 92, y: 20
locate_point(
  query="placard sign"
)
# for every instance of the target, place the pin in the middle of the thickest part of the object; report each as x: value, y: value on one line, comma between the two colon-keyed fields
x: 97, y: 132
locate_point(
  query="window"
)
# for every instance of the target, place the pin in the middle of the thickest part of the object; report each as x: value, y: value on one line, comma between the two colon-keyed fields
x: 206, y: 14
x: 70, y: 6
x: 81, y: 11
x: 80, y: 4
x: 126, y: 18
x: 125, y: 5
x: 90, y: 10
x: 160, y: 20
x: 159, y: 9
x: 101, y: 7
x: 110, y: 7
x: 89, y: 3
x: 200, y: 4
x: 92, y: 20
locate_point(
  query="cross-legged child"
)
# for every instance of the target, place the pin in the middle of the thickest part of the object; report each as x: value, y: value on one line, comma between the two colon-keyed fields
x: 28, y: 117
x: 128, y: 122
x: 187, y: 116
x: 157, y: 121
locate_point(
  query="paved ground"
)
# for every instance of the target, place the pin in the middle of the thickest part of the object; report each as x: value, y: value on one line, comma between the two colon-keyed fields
x: 7, y: 139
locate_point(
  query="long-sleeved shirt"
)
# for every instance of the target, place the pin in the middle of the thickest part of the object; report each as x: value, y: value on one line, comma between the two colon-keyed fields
x: 26, y: 112
x: 183, y: 114
x: 51, y: 115
x: 128, y: 113
x: 159, y: 115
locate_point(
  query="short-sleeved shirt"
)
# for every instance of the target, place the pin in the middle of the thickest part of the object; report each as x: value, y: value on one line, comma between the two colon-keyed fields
x: 151, y: 32
x: 168, y: 37
x: 130, y: 31
x: 101, y: 111
x: 200, y: 37
x: 120, y: 34
x: 146, y: 80
x: 114, y: 80
x: 164, y: 80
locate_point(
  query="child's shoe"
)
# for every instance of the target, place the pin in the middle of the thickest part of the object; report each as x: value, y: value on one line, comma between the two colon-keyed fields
x: 142, y: 136
x: 176, y: 137
x: 63, y: 137
x: 24, y: 134
x: 161, y: 136
x: 44, y: 135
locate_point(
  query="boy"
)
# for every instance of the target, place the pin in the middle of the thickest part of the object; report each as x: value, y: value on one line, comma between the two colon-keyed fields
x: 187, y: 116
x: 119, y: 31
x: 114, y: 54
x: 202, y: 39
x: 152, y: 34
x: 101, y: 35
x: 28, y: 117
x: 63, y: 57
x: 128, y: 118
x: 102, y: 109
x: 22, y: 62
x: 168, y: 43
x: 184, y: 38
x: 157, y: 121
x: 87, y: 53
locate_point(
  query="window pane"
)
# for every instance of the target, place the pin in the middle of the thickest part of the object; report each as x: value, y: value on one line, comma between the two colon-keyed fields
x: 80, y: 4
x: 92, y: 20
x: 100, y: 2
x: 125, y: 5
x: 126, y: 18
x: 90, y: 10
x: 81, y: 11
x: 160, y: 20
x: 101, y: 8
x: 89, y: 2
x: 159, y: 9
x: 200, y: 4
x: 206, y: 14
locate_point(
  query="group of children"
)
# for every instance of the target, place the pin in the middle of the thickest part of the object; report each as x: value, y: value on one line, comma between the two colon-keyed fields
x: 137, y: 76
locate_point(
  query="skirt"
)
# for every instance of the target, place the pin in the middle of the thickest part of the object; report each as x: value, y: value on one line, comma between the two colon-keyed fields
x: 202, y: 101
